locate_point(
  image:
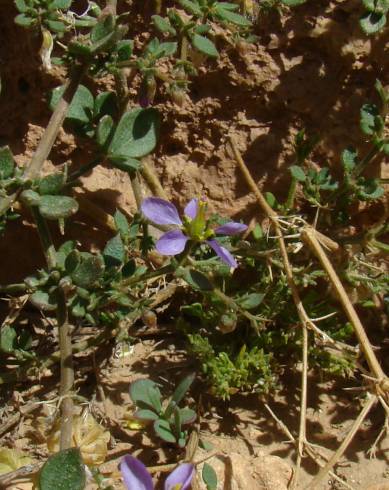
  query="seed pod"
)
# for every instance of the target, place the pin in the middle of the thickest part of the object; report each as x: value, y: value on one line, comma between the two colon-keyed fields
x: 150, y: 319
x: 178, y: 96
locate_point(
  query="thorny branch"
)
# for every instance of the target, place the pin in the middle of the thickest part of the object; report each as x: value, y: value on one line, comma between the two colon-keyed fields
x: 304, y: 318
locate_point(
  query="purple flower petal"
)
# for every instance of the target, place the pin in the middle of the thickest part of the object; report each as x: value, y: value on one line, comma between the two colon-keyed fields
x: 223, y: 253
x: 135, y: 474
x: 171, y: 243
x: 182, y: 475
x: 231, y: 228
x: 160, y: 212
x: 191, y: 208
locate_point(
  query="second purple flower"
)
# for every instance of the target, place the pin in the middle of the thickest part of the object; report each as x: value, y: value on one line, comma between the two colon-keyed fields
x: 193, y: 226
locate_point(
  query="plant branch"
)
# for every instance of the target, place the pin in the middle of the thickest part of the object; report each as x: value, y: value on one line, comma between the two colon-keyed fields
x: 67, y: 371
x: 65, y: 344
x: 303, y: 316
x: 55, y: 123
x: 309, y: 237
x: 27, y: 371
x: 152, y: 180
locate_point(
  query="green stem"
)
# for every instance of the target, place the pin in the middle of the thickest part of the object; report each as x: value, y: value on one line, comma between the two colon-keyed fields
x: 45, y: 238
x: 184, y: 48
x: 291, y: 194
x: 147, y: 276
x: 49, y: 136
x: 380, y: 245
x: 67, y: 371
x: 65, y: 343
x: 367, y: 159
x: 13, y: 288
x: 55, y: 123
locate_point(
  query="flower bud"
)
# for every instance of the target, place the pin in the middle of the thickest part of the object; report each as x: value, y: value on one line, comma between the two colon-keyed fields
x: 147, y: 91
x: 228, y: 322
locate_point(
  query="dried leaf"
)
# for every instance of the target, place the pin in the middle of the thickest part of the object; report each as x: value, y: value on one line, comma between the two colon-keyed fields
x: 12, y: 459
x: 88, y: 435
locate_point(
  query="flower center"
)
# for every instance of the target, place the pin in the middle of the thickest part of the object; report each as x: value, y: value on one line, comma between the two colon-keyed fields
x: 197, y: 228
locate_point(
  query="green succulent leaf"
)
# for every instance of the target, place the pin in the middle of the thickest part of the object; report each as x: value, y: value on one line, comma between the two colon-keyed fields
x: 60, y: 4
x: 136, y: 134
x: 57, y: 207
x: 104, y: 131
x: 251, y: 301
x: 209, y: 477
x: 89, y: 271
x: 293, y: 3
x: 146, y: 414
x: 8, y: 337
x: 271, y: 200
x: 187, y: 416
x: 182, y: 388
x: 122, y: 225
x: 369, y: 118
x: 372, y: 22
x: 22, y: 6
x: 114, y: 252
x: 379, y: 6
x: 30, y: 198
x: 81, y: 107
x: 349, y: 159
x: 24, y: 20
x: 105, y: 103
x: 44, y: 301
x: 124, y: 49
x: 52, y: 184
x: 232, y: 17
x: 163, y: 25
x: 163, y: 430
x: 191, y: 7
x: 167, y: 49
x: 7, y: 164
x: 298, y: 173
x: 227, y: 6
x: 204, y: 45
x: 72, y: 261
x: 64, y: 250
x: 145, y: 394
x: 63, y: 471
x: 370, y: 190
x: 56, y: 26
x: 103, y: 28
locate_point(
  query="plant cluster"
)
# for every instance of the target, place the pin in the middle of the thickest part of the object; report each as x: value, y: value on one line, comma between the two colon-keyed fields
x: 237, y: 311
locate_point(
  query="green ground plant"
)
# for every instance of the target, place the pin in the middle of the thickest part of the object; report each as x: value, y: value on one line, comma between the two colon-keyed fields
x: 237, y: 309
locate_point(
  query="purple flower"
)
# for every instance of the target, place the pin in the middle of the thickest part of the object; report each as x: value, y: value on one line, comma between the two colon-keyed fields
x: 136, y: 476
x: 193, y: 226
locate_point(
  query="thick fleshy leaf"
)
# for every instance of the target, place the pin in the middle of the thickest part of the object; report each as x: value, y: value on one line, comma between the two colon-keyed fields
x: 160, y: 212
x: 231, y: 228
x: 135, y: 474
x: 180, y: 478
x: 172, y: 243
x: 191, y: 208
x: 223, y: 253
